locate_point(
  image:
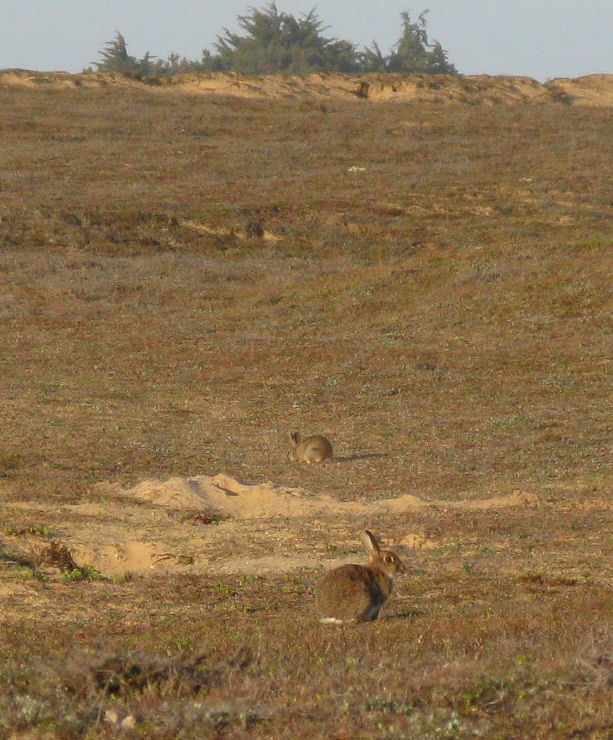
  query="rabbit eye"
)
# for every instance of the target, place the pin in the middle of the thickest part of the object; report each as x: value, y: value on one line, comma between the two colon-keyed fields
x: 389, y: 559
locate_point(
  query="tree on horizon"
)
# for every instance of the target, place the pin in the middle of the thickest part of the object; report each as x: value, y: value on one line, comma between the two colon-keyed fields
x: 412, y: 53
x: 277, y: 42
x: 274, y: 42
x: 115, y: 57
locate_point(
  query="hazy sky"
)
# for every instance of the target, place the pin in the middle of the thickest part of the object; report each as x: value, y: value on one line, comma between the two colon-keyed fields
x: 538, y: 38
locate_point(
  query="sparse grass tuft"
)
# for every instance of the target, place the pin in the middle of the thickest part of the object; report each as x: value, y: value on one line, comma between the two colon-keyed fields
x: 37, y: 530
x: 82, y: 574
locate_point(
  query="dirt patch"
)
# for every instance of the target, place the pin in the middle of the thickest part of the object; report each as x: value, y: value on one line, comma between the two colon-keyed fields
x: 203, y: 228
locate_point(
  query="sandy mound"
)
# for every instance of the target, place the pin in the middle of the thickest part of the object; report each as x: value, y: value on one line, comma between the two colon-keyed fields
x: 224, y: 495
x: 161, y: 525
x: 595, y: 90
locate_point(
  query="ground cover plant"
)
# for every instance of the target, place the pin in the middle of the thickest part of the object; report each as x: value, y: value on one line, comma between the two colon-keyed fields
x: 187, y: 278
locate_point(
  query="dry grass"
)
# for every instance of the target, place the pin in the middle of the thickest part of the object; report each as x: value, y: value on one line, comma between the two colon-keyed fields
x: 432, y: 290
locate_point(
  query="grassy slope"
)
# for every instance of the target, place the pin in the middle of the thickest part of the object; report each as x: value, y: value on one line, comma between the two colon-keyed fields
x: 438, y: 300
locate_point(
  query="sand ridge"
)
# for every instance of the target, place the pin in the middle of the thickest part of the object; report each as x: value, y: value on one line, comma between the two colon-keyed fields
x: 223, y: 494
x: 589, y: 90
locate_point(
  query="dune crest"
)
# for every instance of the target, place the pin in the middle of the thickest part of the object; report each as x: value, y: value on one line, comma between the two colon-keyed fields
x: 589, y: 90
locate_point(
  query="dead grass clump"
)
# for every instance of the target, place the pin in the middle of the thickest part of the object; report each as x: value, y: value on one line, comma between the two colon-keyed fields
x: 83, y: 692
x: 56, y: 555
x: 204, y: 517
x: 9, y: 462
x: 126, y: 674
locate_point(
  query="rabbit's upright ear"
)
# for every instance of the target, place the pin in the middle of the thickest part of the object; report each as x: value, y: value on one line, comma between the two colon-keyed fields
x: 369, y: 541
x: 295, y: 437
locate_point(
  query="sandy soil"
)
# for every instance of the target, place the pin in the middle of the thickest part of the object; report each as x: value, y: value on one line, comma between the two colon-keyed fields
x: 158, y: 524
x: 591, y: 90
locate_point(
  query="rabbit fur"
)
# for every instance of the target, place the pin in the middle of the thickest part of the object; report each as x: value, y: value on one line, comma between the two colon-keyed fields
x: 356, y: 593
x: 313, y: 449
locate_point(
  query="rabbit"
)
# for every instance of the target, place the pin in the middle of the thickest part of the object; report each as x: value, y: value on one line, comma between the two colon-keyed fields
x: 313, y: 449
x: 356, y: 593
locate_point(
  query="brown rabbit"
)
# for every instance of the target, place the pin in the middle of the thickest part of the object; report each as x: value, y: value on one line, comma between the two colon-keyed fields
x: 356, y: 593
x: 313, y: 449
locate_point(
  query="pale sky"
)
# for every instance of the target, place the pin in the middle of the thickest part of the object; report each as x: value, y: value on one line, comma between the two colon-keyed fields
x: 538, y: 38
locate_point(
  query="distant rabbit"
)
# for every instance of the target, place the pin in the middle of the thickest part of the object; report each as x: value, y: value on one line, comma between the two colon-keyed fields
x: 313, y: 449
x: 356, y: 593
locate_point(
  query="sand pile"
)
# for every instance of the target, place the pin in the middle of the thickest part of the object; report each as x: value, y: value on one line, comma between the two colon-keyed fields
x: 224, y: 495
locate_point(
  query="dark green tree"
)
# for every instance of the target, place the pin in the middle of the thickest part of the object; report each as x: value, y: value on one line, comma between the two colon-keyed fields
x: 115, y: 57
x: 277, y: 42
x: 273, y: 42
x: 413, y: 52
x: 149, y: 66
x: 372, y: 60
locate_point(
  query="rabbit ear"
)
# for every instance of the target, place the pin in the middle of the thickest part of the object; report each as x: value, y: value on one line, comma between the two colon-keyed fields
x: 369, y: 541
x: 295, y: 437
